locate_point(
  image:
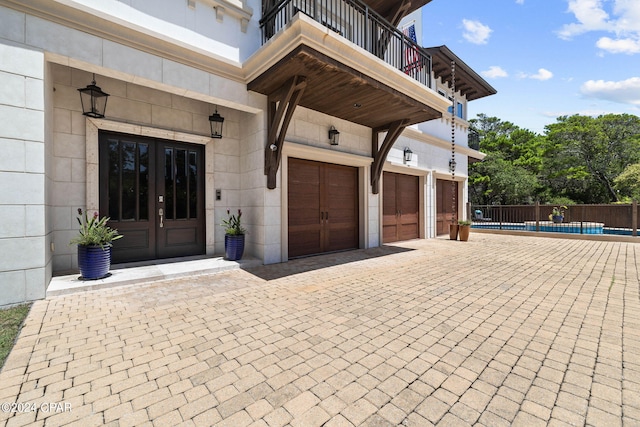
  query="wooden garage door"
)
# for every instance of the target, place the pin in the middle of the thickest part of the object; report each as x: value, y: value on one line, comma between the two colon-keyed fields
x: 323, y: 207
x: 401, y: 207
x: 444, y: 209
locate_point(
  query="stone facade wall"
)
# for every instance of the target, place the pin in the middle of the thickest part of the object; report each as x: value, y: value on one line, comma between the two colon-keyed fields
x: 23, y: 235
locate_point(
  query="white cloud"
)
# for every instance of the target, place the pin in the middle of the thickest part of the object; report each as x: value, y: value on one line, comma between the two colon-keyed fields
x: 475, y: 31
x: 519, y: 1
x: 621, y: 20
x: 494, y: 72
x: 623, y: 91
x: 628, y: 46
x: 590, y: 16
x: 541, y: 75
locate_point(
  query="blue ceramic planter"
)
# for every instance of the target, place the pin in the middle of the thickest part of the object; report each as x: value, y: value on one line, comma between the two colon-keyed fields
x: 94, y: 262
x: 233, y: 246
x: 557, y: 218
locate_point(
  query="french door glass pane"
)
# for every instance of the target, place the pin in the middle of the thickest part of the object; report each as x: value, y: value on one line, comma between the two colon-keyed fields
x: 168, y: 182
x: 114, y: 180
x: 129, y: 196
x: 182, y: 184
x: 128, y: 181
x: 193, y: 184
x: 143, y: 176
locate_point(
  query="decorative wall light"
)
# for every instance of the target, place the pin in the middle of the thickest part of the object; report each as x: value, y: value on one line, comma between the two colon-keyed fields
x: 93, y: 100
x: 334, y: 136
x: 408, y: 155
x: 216, y: 121
x: 452, y: 165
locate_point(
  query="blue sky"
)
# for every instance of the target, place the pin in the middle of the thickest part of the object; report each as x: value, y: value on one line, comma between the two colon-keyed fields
x: 546, y: 58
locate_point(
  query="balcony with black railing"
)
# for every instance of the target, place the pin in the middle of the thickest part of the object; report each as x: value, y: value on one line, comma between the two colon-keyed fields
x: 361, y: 25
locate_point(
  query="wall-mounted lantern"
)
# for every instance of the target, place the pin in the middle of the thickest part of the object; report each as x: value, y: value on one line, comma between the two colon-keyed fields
x: 216, y: 121
x: 452, y: 165
x: 93, y: 100
x: 408, y: 155
x: 334, y: 136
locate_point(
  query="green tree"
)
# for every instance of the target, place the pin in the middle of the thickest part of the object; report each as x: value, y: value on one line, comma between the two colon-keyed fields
x: 628, y: 182
x: 496, y: 181
x: 508, y: 175
x: 583, y: 155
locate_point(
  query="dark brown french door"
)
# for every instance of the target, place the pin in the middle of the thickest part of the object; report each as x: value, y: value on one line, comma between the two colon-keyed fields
x: 323, y: 207
x: 153, y: 191
x: 401, y: 207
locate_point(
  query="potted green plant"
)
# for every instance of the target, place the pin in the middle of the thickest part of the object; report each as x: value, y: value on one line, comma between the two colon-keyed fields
x: 234, y: 234
x: 464, y: 227
x: 557, y: 214
x: 94, y: 243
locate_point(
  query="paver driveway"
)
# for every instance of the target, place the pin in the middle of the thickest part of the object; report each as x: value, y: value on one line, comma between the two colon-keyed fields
x: 500, y: 330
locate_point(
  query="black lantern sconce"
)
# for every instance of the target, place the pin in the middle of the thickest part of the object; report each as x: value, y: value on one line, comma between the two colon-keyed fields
x: 334, y: 136
x: 452, y: 165
x: 93, y: 100
x: 216, y: 121
x: 408, y: 155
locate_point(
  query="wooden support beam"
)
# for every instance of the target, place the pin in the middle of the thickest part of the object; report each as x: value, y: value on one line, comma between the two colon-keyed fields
x: 398, y: 12
x: 394, y: 17
x: 282, y: 104
x: 394, y: 130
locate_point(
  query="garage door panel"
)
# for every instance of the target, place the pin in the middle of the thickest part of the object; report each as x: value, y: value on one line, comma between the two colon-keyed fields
x: 304, y: 216
x: 305, y: 242
x: 444, y: 209
x: 323, y: 207
x: 409, y: 231
x: 343, y: 239
x: 401, y: 207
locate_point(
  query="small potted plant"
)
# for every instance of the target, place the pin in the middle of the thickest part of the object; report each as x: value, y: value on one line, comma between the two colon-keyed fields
x: 557, y: 214
x: 94, y: 243
x: 464, y: 227
x: 233, y: 236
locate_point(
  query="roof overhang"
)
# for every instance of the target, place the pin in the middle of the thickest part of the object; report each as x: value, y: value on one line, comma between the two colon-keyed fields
x: 388, y: 8
x: 343, y: 80
x: 468, y: 82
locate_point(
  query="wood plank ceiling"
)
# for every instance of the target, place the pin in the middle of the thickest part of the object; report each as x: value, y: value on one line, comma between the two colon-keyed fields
x: 341, y: 91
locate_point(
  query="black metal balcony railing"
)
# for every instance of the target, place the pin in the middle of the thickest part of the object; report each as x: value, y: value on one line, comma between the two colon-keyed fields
x: 361, y: 25
x: 473, y: 140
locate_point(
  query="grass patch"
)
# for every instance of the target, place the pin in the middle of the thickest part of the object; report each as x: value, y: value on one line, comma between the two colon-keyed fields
x: 10, y: 323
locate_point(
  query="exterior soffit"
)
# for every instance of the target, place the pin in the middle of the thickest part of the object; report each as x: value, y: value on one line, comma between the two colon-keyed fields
x: 303, y: 30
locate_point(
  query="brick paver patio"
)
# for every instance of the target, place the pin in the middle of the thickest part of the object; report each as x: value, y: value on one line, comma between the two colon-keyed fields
x: 501, y: 330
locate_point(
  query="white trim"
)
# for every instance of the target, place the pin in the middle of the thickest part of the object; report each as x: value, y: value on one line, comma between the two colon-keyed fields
x: 236, y: 8
x: 438, y: 142
x: 405, y: 170
x: 292, y: 149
